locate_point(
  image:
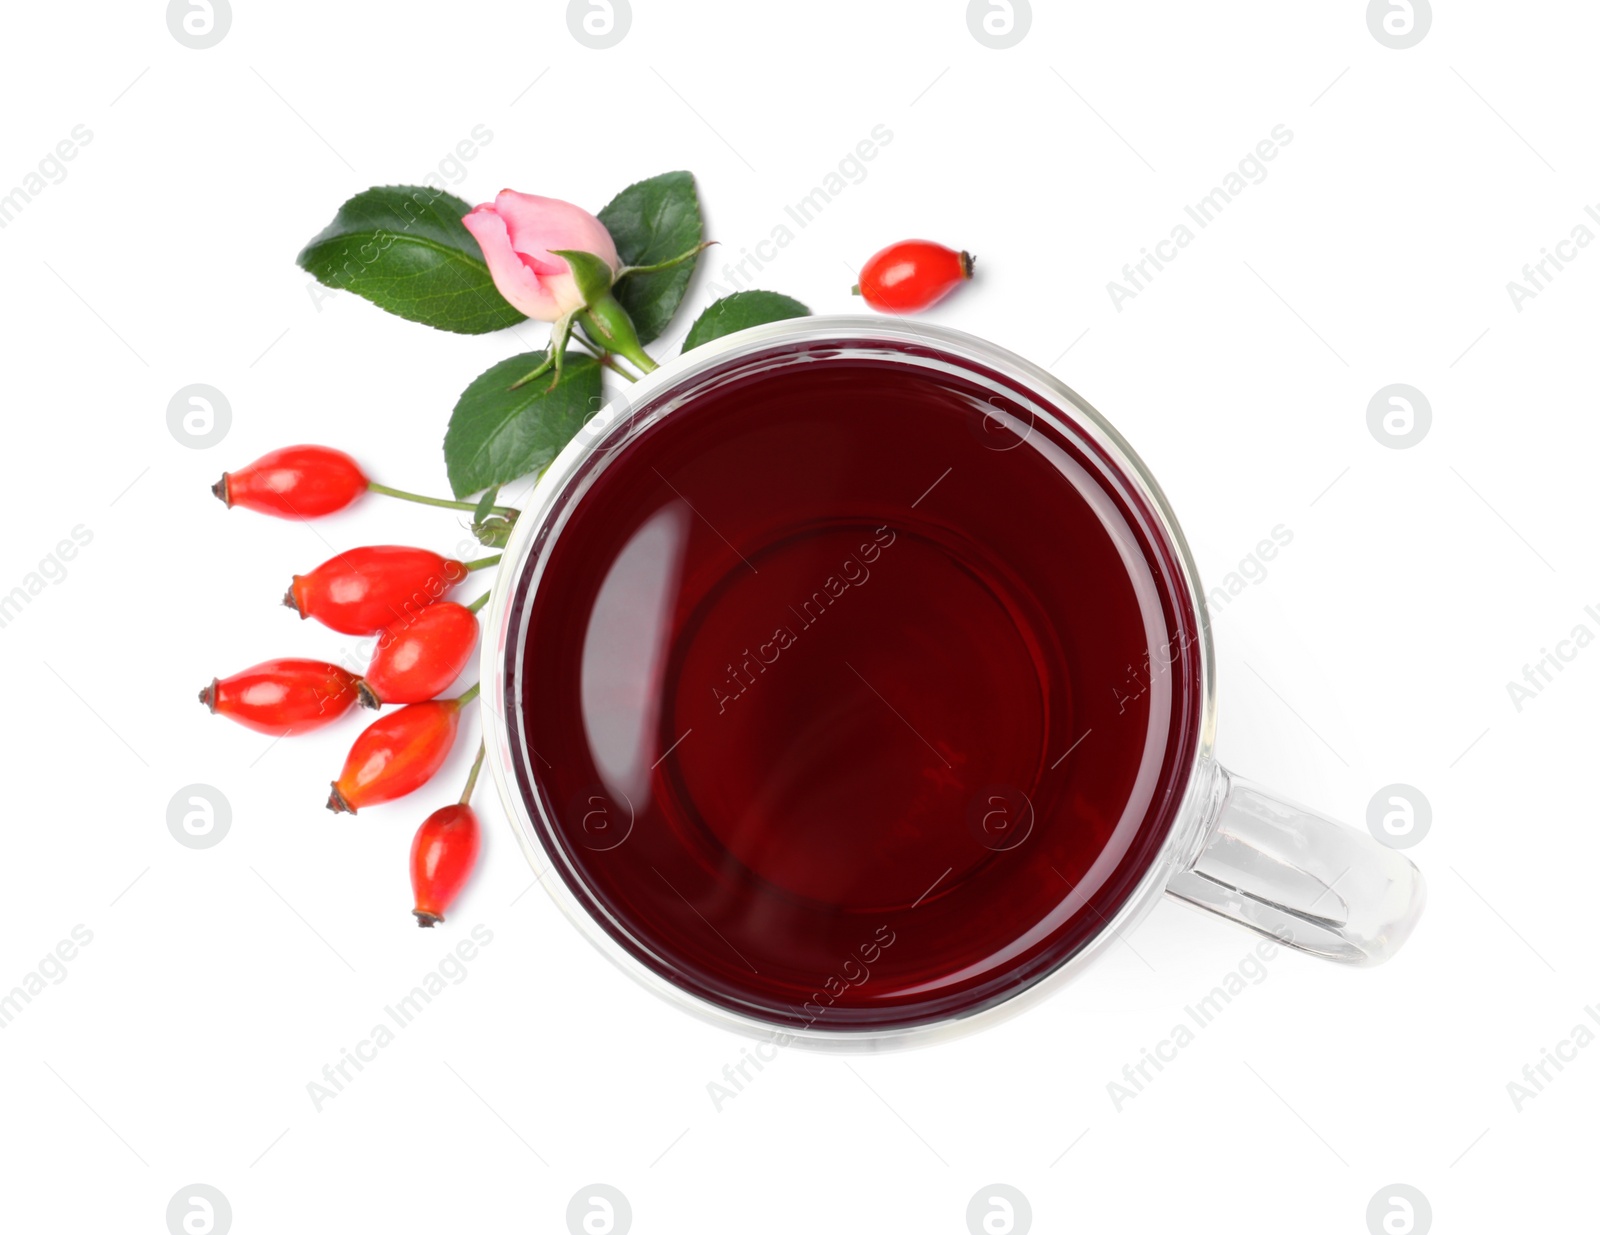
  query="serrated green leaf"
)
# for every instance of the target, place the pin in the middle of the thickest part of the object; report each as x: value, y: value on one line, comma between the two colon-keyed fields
x: 497, y: 434
x: 651, y: 222
x: 404, y: 248
x: 740, y: 311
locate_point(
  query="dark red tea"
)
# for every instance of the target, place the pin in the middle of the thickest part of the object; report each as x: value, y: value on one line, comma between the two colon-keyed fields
x: 859, y: 696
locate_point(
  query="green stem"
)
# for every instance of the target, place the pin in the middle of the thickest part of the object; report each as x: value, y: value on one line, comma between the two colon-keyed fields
x: 603, y: 356
x: 479, y: 603
x: 472, y: 776
x: 480, y: 563
x: 468, y: 695
x: 610, y: 362
x: 432, y: 501
x: 554, y: 354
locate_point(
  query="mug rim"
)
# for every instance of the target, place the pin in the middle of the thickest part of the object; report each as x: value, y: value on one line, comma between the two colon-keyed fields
x: 1201, y: 781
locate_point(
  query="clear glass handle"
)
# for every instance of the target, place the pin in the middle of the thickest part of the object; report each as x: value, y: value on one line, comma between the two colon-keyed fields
x: 1289, y: 872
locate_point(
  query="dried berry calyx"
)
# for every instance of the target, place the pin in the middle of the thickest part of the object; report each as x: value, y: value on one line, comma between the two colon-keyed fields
x: 495, y: 531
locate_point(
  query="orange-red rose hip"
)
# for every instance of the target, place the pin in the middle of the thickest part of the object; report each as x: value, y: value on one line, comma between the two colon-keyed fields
x: 283, y: 696
x: 296, y: 482
x: 365, y: 590
x: 443, y: 854
x: 911, y: 275
x: 416, y: 660
x: 397, y: 754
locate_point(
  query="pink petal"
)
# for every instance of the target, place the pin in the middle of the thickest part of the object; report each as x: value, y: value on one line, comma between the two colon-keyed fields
x: 539, y: 224
x: 521, y: 286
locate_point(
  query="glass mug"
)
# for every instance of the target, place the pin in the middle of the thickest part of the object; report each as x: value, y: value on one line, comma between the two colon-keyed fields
x: 852, y: 682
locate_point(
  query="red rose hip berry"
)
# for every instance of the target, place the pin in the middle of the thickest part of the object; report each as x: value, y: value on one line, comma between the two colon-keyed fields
x: 418, y: 659
x: 365, y: 590
x: 443, y: 853
x: 283, y: 696
x: 911, y: 275
x: 398, y: 753
x: 296, y: 482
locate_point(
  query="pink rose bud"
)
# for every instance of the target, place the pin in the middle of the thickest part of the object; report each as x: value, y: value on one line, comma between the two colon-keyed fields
x: 516, y: 233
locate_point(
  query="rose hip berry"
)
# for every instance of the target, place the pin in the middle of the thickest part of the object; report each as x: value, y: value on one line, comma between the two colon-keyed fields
x: 283, y: 696
x: 443, y: 853
x: 296, y: 482
x: 911, y: 275
x: 363, y: 591
x: 398, y: 753
x: 416, y: 660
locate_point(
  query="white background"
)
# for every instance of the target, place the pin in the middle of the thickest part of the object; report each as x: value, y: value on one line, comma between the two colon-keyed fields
x: 1376, y: 650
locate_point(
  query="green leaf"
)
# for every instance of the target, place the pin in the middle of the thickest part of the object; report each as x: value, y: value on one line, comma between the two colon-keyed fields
x: 486, y: 504
x: 740, y: 311
x: 654, y: 221
x: 497, y: 434
x: 404, y: 248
